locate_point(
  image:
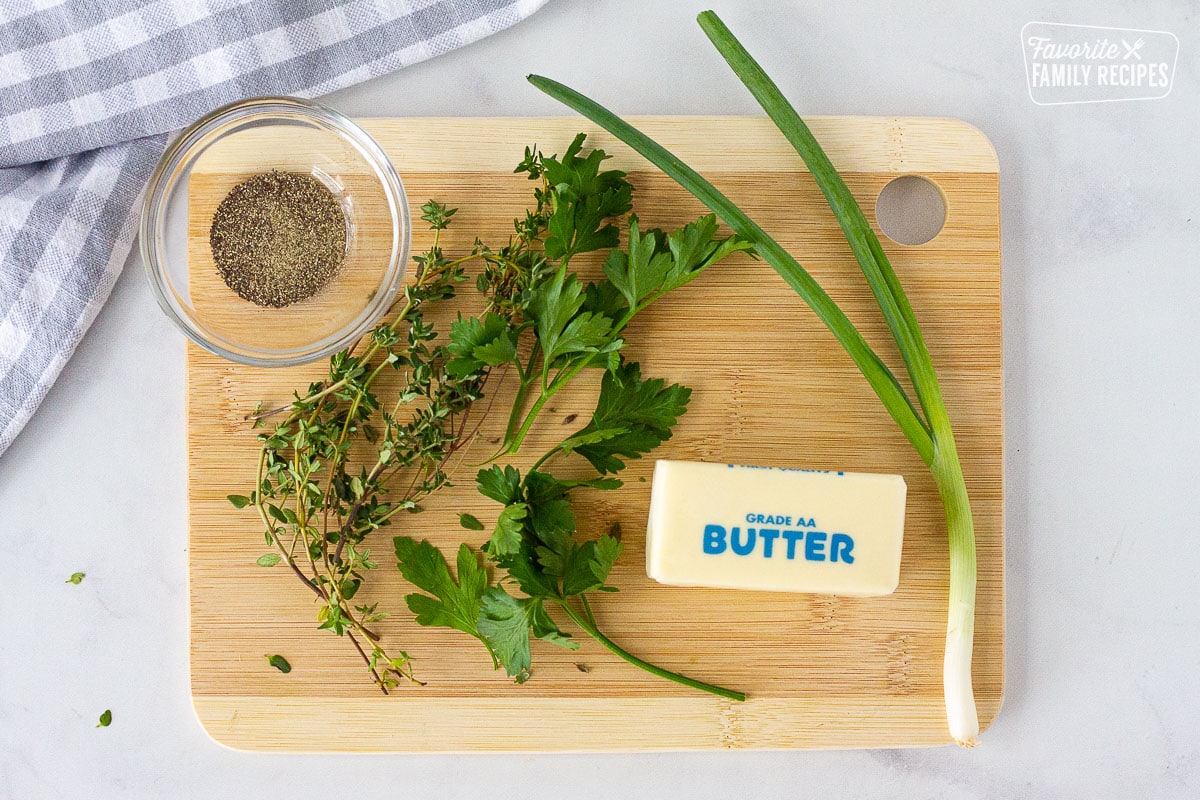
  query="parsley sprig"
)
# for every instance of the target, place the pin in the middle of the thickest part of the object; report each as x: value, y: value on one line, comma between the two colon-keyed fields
x: 318, y: 503
x: 555, y: 326
x: 574, y: 325
x: 535, y: 538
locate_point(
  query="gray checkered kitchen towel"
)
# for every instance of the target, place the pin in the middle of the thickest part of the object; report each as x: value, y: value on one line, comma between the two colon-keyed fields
x: 88, y: 93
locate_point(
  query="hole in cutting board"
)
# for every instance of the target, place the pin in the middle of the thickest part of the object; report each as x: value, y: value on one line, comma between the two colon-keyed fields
x: 911, y: 210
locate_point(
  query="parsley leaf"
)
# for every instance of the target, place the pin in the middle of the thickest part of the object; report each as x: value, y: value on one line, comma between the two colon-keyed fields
x: 604, y: 298
x: 644, y: 270
x: 499, y: 351
x: 500, y: 484
x: 105, y: 719
x: 694, y: 248
x: 452, y: 604
x: 506, y: 623
x: 586, y: 437
x: 691, y: 245
x: 529, y: 575
x: 470, y: 522
x: 551, y: 520
x: 586, y: 333
x: 505, y: 628
x: 545, y: 628
x: 658, y: 263
x: 562, y: 329
x: 586, y: 197
x: 76, y: 578
x: 645, y: 409
x: 506, y: 538
x: 591, y: 564
x: 477, y: 343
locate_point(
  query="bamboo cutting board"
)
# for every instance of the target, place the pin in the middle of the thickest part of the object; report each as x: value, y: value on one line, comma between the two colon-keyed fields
x: 771, y: 386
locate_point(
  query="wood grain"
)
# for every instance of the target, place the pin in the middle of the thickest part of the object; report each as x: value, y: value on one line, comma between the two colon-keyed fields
x: 771, y: 387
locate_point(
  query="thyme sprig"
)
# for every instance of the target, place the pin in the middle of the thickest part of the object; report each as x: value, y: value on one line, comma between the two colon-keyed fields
x: 317, y: 504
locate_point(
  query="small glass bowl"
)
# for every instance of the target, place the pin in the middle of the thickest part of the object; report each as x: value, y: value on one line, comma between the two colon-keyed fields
x: 229, y: 146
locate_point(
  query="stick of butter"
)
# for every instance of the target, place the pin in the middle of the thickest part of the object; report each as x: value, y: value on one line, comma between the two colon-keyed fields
x: 775, y: 528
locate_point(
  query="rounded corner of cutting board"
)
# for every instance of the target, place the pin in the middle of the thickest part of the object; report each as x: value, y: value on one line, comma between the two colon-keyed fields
x: 981, y: 144
x: 988, y: 718
x: 215, y: 728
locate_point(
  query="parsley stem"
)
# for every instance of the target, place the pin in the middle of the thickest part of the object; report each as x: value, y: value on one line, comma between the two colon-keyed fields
x: 587, y: 608
x: 546, y: 457
x: 543, y: 397
x: 590, y: 629
x: 514, y: 416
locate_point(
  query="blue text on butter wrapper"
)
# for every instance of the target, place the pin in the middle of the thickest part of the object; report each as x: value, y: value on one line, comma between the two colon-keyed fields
x: 818, y: 545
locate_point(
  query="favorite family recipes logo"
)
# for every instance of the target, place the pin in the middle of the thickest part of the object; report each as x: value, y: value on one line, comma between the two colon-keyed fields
x: 1090, y: 64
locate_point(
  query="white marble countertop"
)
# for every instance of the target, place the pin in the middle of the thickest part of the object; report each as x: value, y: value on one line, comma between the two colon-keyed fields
x: 1102, y: 349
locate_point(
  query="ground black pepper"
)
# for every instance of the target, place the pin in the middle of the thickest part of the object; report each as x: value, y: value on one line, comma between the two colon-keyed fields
x: 277, y: 238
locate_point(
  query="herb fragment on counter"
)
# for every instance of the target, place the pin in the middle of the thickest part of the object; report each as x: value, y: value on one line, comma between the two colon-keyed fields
x: 280, y: 663
x: 555, y: 326
x: 76, y: 578
x: 105, y: 719
x: 278, y: 238
x: 925, y: 422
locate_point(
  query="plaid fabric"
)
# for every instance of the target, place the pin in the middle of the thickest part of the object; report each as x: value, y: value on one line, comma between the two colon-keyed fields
x: 88, y: 93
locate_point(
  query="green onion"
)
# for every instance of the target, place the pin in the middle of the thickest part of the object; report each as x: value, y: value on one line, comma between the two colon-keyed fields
x: 929, y: 429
